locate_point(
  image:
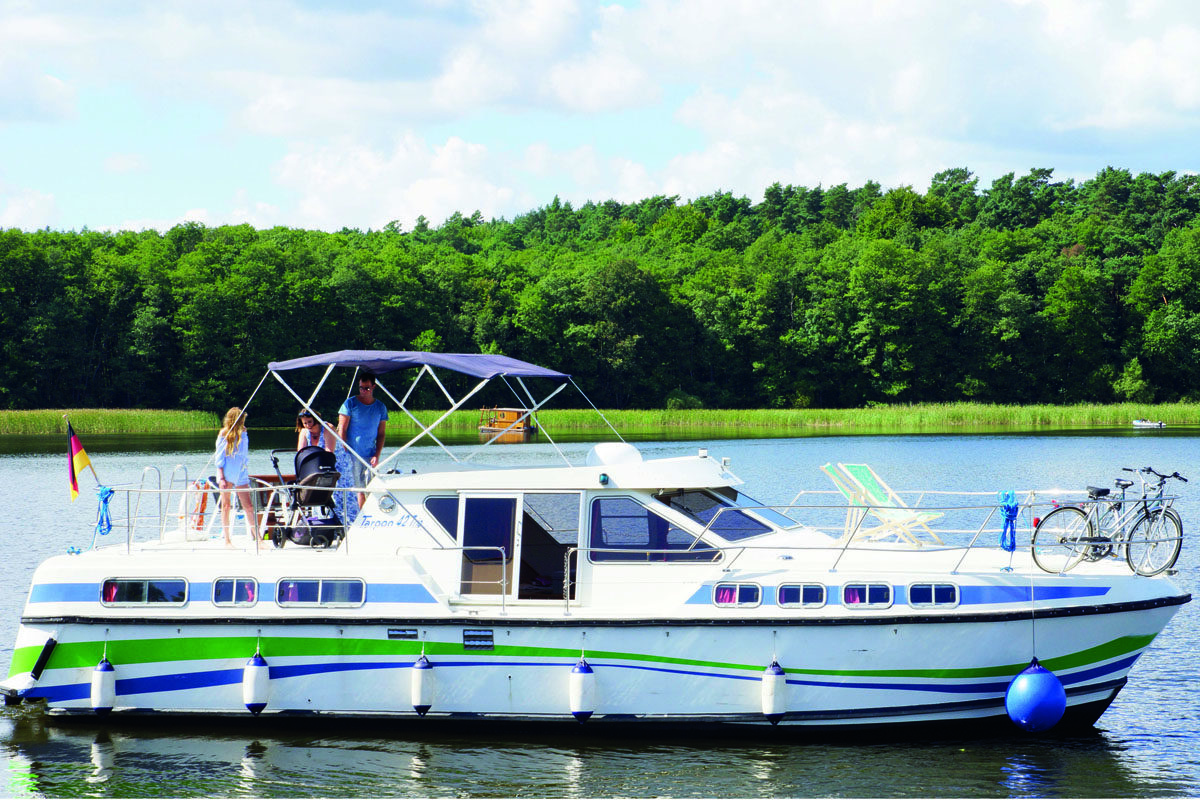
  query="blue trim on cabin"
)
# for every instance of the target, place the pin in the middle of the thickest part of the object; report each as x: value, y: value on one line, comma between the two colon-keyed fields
x: 975, y: 595
x: 398, y: 593
x: 65, y: 593
x: 968, y: 595
x: 202, y: 591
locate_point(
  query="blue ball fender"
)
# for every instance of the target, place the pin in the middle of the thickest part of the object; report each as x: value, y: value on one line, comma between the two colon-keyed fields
x: 1035, y: 699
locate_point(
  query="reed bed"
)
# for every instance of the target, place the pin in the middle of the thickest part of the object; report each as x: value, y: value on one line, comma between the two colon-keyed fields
x: 929, y: 417
x: 103, y: 420
x: 917, y: 418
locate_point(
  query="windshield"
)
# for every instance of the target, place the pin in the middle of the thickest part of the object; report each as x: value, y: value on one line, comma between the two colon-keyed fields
x: 731, y: 524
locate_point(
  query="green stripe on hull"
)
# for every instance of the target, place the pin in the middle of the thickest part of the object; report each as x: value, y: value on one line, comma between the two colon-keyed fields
x: 145, y: 651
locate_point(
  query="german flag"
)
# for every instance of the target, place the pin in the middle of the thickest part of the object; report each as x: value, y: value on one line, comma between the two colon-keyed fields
x: 77, y: 459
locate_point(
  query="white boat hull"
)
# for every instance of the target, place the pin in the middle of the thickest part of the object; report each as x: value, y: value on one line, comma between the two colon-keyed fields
x: 891, y: 672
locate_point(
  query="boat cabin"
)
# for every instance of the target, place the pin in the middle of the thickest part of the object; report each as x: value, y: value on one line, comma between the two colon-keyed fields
x: 506, y: 425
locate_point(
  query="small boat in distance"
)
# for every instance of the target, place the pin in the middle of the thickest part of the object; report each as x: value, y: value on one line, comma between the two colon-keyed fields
x: 506, y: 425
x: 1149, y: 423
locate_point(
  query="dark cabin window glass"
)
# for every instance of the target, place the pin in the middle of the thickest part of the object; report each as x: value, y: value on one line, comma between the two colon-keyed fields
x: 808, y: 594
x: 488, y: 529
x: 155, y: 591
x: 341, y: 591
x: 717, y: 514
x: 866, y: 594
x: 445, y: 511
x: 235, y: 591
x: 298, y: 591
x: 166, y: 591
x: 622, y: 524
x: 933, y: 594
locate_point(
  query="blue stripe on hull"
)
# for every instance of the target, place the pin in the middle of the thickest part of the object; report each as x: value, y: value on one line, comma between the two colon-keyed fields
x: 224, y: 677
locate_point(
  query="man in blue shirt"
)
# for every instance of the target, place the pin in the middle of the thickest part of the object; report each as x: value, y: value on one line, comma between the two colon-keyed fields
x: 361, y: 423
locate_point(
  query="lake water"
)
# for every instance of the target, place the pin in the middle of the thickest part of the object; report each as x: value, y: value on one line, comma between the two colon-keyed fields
x: 1147, y: 744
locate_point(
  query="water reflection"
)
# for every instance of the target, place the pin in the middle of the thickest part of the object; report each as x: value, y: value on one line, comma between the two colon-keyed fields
x: 103, y: 756
x: 142, y: 762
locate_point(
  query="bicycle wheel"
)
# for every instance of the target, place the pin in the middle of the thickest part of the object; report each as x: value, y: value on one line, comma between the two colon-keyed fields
x: 1061, y: 539
x: 1154, y: 542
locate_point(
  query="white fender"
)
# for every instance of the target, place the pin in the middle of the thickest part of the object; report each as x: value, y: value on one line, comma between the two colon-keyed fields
x: 256, y: 684
x: 774, y: 693
x: 423, y: 685
x: 582, y: 691
x: 104, y: 687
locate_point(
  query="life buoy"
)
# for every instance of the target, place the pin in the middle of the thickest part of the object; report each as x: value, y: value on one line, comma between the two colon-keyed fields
x: 199, y: 505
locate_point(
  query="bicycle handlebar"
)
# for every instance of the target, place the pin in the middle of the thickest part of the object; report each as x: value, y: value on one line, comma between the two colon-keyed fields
x: 1151, y: 471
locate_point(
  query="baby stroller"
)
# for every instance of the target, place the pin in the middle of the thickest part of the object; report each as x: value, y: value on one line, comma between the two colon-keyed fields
x: 310, y: 518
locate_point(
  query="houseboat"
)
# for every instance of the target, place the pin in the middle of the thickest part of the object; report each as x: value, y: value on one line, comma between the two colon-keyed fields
x: 620, y: 591
x: 506, y: 425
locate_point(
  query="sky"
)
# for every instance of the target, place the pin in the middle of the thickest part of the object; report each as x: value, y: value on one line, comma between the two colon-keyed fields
x: 318, y: 114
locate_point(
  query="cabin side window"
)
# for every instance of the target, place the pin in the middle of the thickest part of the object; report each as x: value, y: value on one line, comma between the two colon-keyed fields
x: 717, y: 514
x: 445, y: 511
x: 932, y: 594
x: 866, y: 595
x: 625, y: 530
x: 801, y: 595
x: 235, y: 592
x: 320, y: 592
x: 549, y: 536
x: 737, y: 595
x: 141, y: 591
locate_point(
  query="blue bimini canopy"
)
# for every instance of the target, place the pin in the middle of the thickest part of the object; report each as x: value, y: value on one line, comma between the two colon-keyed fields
x: 379, y: 362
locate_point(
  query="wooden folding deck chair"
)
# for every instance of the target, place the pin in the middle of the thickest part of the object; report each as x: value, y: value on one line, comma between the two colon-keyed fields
x: 867, y: 494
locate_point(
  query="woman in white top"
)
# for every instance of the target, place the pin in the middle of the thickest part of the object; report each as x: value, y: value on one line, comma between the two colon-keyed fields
x: 232, y: 459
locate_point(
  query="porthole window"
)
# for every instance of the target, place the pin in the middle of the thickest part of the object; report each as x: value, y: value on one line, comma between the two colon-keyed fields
x: 320, y: 592
x: 143, y: 591
x: 932, y: 594
x: 235, y: 592
x: 736, y: 595
x: 801, y: 595
x: 866, y: 595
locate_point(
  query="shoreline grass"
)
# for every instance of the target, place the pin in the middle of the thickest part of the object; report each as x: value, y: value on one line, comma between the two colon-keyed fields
x: 922, y: 417
x: 927, y: 417
x: 105, y: 420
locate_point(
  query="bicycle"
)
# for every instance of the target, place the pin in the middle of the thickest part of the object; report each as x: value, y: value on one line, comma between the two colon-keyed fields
x: 1146, y: 530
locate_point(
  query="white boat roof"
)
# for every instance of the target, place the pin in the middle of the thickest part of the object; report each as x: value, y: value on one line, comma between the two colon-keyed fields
x: 611, y: 465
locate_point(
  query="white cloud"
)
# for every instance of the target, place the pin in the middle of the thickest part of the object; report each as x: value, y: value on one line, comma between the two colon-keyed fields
x: 472, y: 77
x: 27, y: 209
x: 349, y: 184
x: 381, y: 112
x: 600, y: 82
x: 121, y: 163
x: 29, y: 96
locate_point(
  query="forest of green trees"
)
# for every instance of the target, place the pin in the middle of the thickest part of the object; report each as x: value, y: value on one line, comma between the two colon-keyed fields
x: 1030, y: 290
